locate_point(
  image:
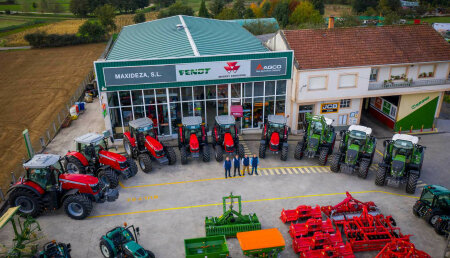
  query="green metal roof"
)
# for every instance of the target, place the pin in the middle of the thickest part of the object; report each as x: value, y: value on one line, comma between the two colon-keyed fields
x: 166, y: 37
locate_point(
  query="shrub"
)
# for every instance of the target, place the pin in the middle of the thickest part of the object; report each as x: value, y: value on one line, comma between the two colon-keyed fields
x: 139, y: 17
x: 42, y: 40
x: 92, y: 31
x: 177, y: 8
x: 259, y: 27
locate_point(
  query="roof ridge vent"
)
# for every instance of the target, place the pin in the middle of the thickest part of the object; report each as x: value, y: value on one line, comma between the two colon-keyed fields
x: 180, y: 26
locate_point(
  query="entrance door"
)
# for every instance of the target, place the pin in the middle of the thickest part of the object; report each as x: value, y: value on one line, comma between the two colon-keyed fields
x: 343, y: 119
x: 302, y: 110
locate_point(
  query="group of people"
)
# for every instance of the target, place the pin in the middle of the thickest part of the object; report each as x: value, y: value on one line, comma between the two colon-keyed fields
x: 237, y: 161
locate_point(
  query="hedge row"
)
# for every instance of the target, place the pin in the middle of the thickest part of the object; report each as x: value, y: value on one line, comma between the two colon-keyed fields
x: 42, y: 39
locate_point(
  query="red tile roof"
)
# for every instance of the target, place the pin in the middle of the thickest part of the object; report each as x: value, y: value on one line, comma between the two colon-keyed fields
x: 363, y: 46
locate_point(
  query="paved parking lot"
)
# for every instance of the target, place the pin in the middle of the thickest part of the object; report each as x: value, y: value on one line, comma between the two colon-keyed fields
x: 170, y: 203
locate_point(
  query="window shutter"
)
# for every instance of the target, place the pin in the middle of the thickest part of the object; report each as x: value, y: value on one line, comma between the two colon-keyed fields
x: 426, y: 69
x: 398, y: 71
x: 316, y: 83
x: 347, y: 81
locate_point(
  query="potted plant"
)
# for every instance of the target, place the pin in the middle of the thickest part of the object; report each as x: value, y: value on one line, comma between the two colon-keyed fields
x: 430, y: 74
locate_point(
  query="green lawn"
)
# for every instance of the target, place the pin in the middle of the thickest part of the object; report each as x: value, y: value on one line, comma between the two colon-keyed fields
x: 10, y: 22
x: 26, y: 5
x: 436, y: 19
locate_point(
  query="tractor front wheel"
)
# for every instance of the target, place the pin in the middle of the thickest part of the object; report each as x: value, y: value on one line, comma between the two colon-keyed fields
x: 171, y: 156
x: 262, y: 151
x: 363, y: 170
x: 298, y: 154
x: 29, y: 202
x: 335, y: 165
x: 150, y: 254
x: 106, y: 249
x: 432, y: 218
x: 380, y: 177
x: 284, y: 153
x: 127, y: 147
x: 241, y: 151
x: 412, y: 183
x: 183, y: 155
x: 440, y: 226
x: 74, y: 166
x: 145, y: 162
x: 206, y: 152
x: 219, y: 153
x: 323, y: 156
x: 77, y: 206
x: 108, y: 177
x: 133, y: 167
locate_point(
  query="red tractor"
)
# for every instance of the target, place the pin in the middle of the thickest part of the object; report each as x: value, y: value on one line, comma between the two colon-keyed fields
x: 192, y: 139
x: 275, y: 136
x: 92, y: 157
x: 45, y: 186
x: 142, y: 142
x: 225, y: 137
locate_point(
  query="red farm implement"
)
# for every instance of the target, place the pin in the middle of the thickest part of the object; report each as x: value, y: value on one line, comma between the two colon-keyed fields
x: 297, y: 230
x: 401, y: 249
x: 339, y: 251
x: 302, y: 212
x: 349, y: 208
x: 317, y: 241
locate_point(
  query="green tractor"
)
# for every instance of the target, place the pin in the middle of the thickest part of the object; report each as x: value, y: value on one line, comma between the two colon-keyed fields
x: 434, y: 207
x: 54, y: 250
x: 318, y: 139
x: 356, y: 151
x: 402, y: 162
x: 121, y: 242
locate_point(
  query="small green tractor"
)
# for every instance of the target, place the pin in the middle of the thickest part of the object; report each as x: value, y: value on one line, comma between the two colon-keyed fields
x: 402, y: 162
x: 356, y: 151
x: 121, y: 242
x: 318, y: 139
x: 434, y: 207
x: 55, y: 250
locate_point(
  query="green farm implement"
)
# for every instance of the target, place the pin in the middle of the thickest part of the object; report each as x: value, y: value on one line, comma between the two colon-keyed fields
x: 231, y: 222
x: 211, y: 247
x: 434, y: 207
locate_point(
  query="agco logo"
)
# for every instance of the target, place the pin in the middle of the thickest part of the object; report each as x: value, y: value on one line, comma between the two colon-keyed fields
x: 232, y: 67
x: 261, y: 68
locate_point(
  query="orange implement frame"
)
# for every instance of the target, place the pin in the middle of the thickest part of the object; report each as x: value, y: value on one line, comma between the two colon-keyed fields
x: 260, y: 239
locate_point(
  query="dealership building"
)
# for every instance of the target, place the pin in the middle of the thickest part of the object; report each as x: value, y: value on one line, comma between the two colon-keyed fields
x: 182, y: 66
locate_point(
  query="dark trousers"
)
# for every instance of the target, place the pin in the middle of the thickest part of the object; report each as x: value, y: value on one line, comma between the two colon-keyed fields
x: 238, y: 168
x: 254, y: 169
x: 227, y: 173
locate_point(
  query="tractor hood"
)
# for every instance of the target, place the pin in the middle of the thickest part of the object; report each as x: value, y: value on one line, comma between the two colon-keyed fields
x: 152, y: 143
x: 275, y: 139
x: 313, y: 142
x: 78, y: 179
x: 112, y: 156
x: 135, y: 249
x: 398, y: 165
x: 193, y: 142
x: 228, y: 140
x: 352, y: 154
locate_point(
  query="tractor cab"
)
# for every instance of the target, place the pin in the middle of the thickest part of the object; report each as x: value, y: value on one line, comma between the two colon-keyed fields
x: 320, y: 125
x: 192, y: 132
x: 140, y: 129
x: 44, y: 169
x: 90, y: 144
x: 226, y: 131
x: 274, y: 136
x: 358, y: 135
x: 434, y: 207
x: 402, y: 150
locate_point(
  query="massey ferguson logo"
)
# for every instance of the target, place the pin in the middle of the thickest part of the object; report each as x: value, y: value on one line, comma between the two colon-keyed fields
x: 232, y: 67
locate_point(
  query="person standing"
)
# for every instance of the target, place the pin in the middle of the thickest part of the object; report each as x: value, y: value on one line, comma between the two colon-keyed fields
x: 246, y: 165
x: 227, y: 167
x: 237, y: 165
x: 255, y: 162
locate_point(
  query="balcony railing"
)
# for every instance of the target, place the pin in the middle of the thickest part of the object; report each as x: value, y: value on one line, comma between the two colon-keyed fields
x: 407, y: 84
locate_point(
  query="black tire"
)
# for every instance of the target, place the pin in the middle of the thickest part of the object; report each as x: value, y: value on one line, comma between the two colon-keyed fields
x: 145, y: 162
x: 106, y: 249
x: 183, y: 156
x: 241, y: 151
x: 31, y: 204
x: 150, y: 254
x: 262, y: 151
x: 74, y: 166
x: 206, y: 153
x: 171, y: 156
x: 127, y: 146
x: 335, y: 165
x: 323, y: 157
x: 77, y: 206
x: 133, y: 167
x: 298, y: 154
x: 108, y: 177
x: 363, y: 170
x: 219, y: 153
x: 284, y: 153
x: 432, y: 218
x: 440, y: 226
x: 380, y: 177
x: 412, y: 183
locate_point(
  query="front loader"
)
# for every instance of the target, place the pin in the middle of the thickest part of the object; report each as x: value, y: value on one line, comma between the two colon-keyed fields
x: 275, y: 136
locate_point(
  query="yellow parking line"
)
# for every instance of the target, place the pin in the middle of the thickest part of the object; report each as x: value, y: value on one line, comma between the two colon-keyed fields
x: 181, y: 182
x: 249, y: 201
x: 290, y: 171
x: 283, y: 171
x: 277, y: 171
x: 379, y: 152
x: 296, y: 170
x: 299, y: 167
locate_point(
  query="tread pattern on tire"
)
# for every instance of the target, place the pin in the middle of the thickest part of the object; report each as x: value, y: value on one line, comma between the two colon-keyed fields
x: 206, y: 152
x: 112, y: 176
x: 323, y: 157
x: 126, y: 141
x: 262, y: 151
x: 363, y: 169
x: 298, y: 154
x: 133, y: 167
x: 334, y: 163
x: 380, y: 177
x: 77, y: 163
x: 440, y: 226
x: 412, y: 183
x: 171, y: 156
x: 39, y: 204
x: 147, y: 162
x: 284, y: 153
x: 183, y: 156
x: 108, y: 246
x: 83, y: 200
x: 219, y: 153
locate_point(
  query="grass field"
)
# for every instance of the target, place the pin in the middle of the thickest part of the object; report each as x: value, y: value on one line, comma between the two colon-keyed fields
x: 26, y: 5
x: 436, y: 19
x: 10, y: 22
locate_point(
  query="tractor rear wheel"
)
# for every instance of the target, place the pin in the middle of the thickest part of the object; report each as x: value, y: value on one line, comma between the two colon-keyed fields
x: 108, y: 177
x: 363, y: 170
x: 262, y: 151
x: 74, y: 166
x: 335, y: 165
x: 219, y: 153
x: 133, y: 167
x: 30, y: 203
x: 412, y: 183
x: 106, y: 249
x: 206, y: 152
x: 77, y: 206
x: 145, y: 162
x: 323, y: 156
x: 150, y: 254
x: 171, y: 155
x: 241, y: 151
x: 284, y: 153
x: 298, y: 154
x: 183, y: 156
x: 127, y: 147
x: 380, y: 177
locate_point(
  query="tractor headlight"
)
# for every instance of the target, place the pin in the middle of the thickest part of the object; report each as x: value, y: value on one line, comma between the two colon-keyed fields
x: 95, y: 187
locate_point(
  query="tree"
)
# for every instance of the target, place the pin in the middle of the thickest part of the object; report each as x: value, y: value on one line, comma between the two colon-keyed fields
x: 239, y: 8
x: 361, y: 6
x: 79, y: 8
x: 203, y: 12
x: 139, y: 17
x: 266, y: 9
x: 249, y: 14
x: 165, y: 3
x: 54, y: 6
x: 216, y: 7
x: 34, y: 5
x: 318, y: 5
x: 227, y: 14
x: 141, y: 3
x: 391, y: 18
x: 106, y: 15
x: 387, y: 6
x: 177, y: 8
x: 43, y: 6
x: 305, y: 13
x: 92, y: 30
x: 259, y: 27
x: 281, y: 13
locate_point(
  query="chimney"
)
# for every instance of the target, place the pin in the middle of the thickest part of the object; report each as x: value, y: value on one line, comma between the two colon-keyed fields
x: 331, y: 22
